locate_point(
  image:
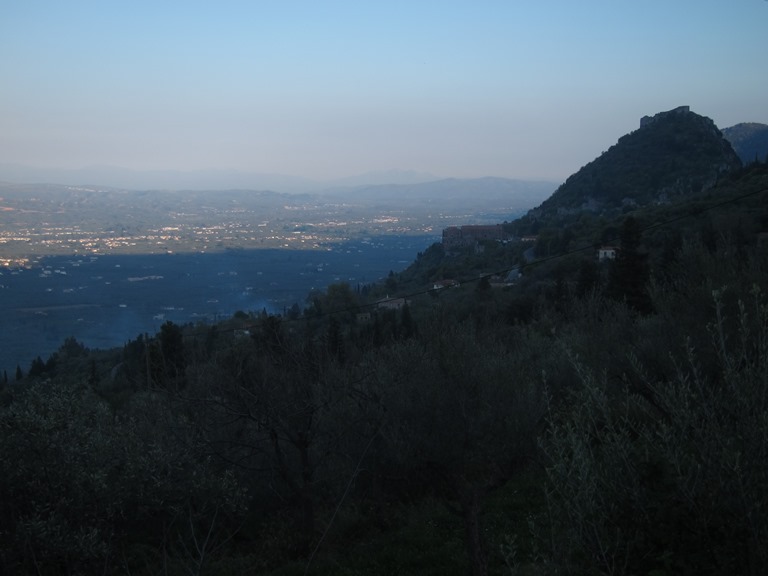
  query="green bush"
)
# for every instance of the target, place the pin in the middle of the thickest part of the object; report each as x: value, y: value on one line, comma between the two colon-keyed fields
x: 675, y: 480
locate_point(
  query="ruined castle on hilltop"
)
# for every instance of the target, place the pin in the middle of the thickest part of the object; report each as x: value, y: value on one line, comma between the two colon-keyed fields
x: 647, y: 120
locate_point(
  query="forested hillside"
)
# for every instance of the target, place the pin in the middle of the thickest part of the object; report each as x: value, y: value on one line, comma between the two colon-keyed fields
x: 589, y: 417
x: 672, y: 154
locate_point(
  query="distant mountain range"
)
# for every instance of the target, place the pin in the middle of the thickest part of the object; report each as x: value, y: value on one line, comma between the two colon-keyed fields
x: 749, y: 140
x: 671, y: 154
x: 116, y: 177
x: 450, y: 193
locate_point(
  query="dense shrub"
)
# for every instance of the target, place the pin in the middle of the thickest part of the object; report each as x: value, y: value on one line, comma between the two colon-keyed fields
x: 675, y: 482
x: 81, y: 490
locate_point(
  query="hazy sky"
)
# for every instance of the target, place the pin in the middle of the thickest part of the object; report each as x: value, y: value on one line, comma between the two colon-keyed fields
x: 325, y: 89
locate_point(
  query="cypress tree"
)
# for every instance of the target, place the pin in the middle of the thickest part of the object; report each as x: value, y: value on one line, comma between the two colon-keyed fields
x: 336, y: 340
x: 172, y: 349
x: 406, y: 321
x: 588, y: 278
x: 629, y: 273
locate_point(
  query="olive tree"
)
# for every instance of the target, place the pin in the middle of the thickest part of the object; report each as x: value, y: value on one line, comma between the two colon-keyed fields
x: 462, y: 411
x: 669, y: 477
x: 287, y: 411
x: 81, y: 485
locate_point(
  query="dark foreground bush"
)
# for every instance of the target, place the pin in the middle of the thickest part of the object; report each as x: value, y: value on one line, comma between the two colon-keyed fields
x: 673, y: 480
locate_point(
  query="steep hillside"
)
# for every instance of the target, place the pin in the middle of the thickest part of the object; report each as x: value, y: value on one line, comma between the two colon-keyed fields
x: 749, y: 140
x: 672, y: 153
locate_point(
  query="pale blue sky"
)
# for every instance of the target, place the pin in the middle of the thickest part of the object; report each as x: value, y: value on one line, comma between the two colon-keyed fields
x: 326, y: 89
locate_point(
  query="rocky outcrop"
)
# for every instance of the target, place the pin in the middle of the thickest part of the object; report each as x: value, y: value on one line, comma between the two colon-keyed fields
x: 673, y: 153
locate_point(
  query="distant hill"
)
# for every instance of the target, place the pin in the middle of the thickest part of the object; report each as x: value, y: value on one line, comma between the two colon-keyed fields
x: 127, y: 179
x: 198, y: 180
x: 749, y: 140
x: 673, y: 153
x: 381, y: 177
x: 471, y: 194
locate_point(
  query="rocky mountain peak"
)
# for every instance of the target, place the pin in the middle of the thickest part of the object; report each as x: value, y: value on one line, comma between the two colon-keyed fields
x: 673, y: 153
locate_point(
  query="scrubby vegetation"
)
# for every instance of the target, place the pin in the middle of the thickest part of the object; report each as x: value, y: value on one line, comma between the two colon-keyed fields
x: 591, y: 418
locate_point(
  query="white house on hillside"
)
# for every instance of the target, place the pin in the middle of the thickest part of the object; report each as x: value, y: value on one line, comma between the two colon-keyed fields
x: 607, y: 253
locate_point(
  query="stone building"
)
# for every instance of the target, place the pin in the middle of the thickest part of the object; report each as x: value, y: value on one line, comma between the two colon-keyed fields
x: 458, y: 236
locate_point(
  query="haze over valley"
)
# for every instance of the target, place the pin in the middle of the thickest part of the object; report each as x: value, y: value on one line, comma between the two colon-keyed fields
x: 104, y: 264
